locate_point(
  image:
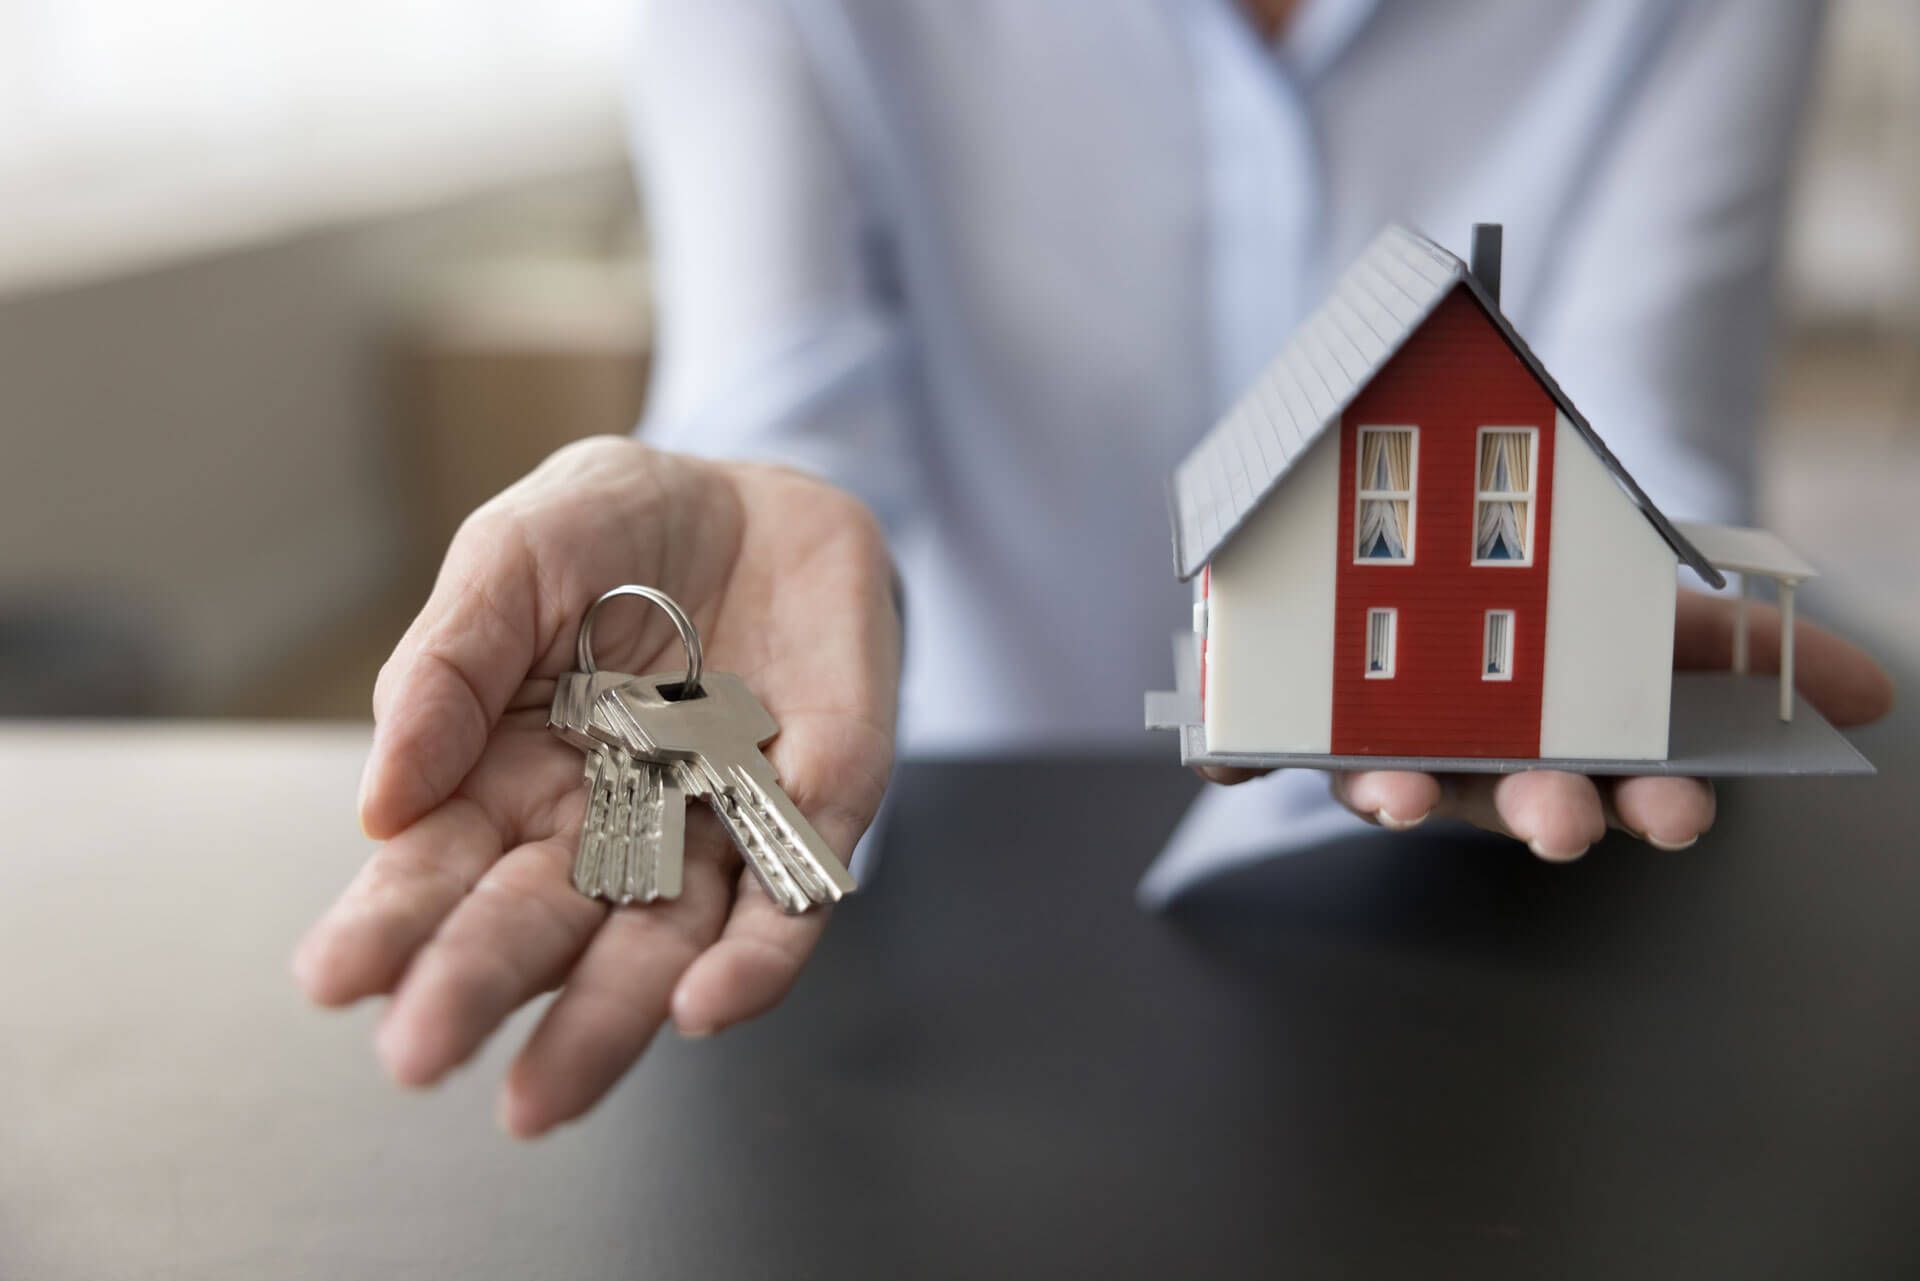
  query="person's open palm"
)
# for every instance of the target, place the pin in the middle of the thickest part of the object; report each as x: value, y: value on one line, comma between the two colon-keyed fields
x: 466, y: 911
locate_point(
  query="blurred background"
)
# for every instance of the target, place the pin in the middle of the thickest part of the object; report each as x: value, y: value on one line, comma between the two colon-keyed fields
x: 286, y: 289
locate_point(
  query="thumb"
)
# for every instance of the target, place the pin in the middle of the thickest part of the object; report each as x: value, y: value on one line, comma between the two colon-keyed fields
x: 447, y: 682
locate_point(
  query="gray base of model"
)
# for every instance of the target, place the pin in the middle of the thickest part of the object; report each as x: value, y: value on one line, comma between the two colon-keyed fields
x: 1723, y: 725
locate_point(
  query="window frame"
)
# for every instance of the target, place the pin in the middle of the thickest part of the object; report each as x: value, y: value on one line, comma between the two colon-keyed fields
x: 1486, y: 638
x: 1530, y: 496
x: 1411, y: 495
x: 1392, y: 616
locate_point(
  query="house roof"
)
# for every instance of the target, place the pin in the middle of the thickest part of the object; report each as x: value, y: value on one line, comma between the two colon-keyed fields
x: 1747, y: 551
x: 1378, y: 304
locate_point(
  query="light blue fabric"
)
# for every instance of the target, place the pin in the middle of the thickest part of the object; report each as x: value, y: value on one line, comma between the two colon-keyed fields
x: 996, y: 265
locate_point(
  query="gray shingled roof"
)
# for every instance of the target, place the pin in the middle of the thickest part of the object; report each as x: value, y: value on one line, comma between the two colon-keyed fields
x: 1377, y: 305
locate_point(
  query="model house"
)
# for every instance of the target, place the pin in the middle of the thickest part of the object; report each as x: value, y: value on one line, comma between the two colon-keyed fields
x: 1408, y: 542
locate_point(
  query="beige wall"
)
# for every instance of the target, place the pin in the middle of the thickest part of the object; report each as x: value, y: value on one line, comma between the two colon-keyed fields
x: 1607, y: 686
x: 214, y: 439
x: 1270, y: 617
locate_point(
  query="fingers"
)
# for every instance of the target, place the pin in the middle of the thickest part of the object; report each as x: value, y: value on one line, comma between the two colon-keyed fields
x: 1228, y: 775
x: 1840, y: 679
x: 361, y: 946
x: 512, y: 938
x: 750, y: 969
x: 1556, y: 815
x: 1666, y: 813
x: 837, y: 780
x: 616, y: 998
x: 440, y: 693
x: 647, y: 964
x: 1393, y: 799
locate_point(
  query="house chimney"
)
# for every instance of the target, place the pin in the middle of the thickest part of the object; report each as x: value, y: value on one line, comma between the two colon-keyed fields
x: 1486, y: 257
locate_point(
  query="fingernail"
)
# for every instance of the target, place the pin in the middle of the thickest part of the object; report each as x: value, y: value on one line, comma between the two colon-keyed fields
x: 1393, y: 824
x: 1671, y: 846
x: 694, y: 1032
x: 1541, y: 851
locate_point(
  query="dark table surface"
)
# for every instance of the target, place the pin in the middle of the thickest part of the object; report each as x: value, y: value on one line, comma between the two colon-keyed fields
x: 1384, y: 1058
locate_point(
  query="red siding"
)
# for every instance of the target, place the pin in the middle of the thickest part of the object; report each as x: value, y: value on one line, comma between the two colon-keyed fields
x: 1456, y: 375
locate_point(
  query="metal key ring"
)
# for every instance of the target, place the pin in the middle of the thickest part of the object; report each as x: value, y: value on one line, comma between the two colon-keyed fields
x: 689, y: 634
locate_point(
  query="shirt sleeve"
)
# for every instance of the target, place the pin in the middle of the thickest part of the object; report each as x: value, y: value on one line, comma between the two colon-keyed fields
x: 1660, y: 322
x: 777, y: 337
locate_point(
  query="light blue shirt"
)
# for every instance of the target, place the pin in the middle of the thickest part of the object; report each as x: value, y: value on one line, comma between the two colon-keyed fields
x: 995, y: 265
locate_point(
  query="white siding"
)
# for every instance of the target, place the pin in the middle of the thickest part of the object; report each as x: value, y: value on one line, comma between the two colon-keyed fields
x: 1270, y: 617
x: 1611, y: 584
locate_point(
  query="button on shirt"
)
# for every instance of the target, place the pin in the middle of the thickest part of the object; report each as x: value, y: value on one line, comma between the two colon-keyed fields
x: 996, y: 266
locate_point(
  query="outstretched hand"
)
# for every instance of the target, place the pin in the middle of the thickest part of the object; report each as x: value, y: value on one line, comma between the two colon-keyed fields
x: 466, y: 911
x: 1560, y: 815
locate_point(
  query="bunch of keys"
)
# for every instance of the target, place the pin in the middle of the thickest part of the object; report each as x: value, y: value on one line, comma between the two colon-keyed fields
x: 653, y: 741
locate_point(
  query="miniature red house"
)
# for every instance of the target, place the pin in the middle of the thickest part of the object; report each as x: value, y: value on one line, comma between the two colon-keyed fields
x: 1409, y: 543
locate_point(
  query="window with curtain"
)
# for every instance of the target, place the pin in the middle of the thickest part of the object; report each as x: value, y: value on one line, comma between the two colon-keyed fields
x: 1384, y: 513
x: 1380, y: 642
x: 1498, y: 661
x: 1503, y: 507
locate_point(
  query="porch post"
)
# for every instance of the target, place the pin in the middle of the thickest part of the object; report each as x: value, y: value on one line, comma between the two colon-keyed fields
x: 1786, y: 650
x: 1740, y: 625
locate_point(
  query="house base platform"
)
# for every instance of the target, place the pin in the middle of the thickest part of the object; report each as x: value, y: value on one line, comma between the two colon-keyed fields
x: 1723, y: 725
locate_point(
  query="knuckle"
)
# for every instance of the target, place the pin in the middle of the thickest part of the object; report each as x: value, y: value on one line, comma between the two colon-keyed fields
x: 493, y: 534
x: 467, y: 966
x: 392, y: 887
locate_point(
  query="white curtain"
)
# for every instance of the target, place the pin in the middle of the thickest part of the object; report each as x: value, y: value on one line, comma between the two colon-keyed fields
x: 1383, y: 524
x: 1502, y: 531
x: 1498, y: 642
x: 1505, y: 461
x: 1505, y: 468
x: 1386, y: 465
x: 1379, y: 640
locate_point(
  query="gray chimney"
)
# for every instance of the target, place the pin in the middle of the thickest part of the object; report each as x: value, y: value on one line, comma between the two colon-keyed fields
x: 1485, y: 263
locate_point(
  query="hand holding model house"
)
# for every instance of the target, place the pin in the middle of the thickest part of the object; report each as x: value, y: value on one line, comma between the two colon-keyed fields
x: 1416, y: 564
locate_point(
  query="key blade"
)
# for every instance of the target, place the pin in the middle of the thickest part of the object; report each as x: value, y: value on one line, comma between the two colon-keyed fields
x: 803, y: 853
x: 586, y: 859
x: 762, y: 856
x: 619, y: 857
x: 659, y: 835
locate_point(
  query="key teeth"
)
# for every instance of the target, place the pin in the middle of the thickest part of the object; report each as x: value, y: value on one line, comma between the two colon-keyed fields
x: 586, y: 859
x: 815, y: 872
x: 780, y: 860
x: 630, y: 838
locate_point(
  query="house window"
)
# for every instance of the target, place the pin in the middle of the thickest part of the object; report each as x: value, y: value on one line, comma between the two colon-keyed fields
x: 1383, y: 520
x: 1503, y: 507
x: 1381, y: 625
x: 1497, y: 660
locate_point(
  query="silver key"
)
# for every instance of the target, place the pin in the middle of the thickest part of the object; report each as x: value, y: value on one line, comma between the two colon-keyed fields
x: 714, y: 737
x: 634, y: 830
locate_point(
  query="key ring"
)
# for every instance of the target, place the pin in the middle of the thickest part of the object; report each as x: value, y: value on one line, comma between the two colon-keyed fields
x: 689, y: 634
